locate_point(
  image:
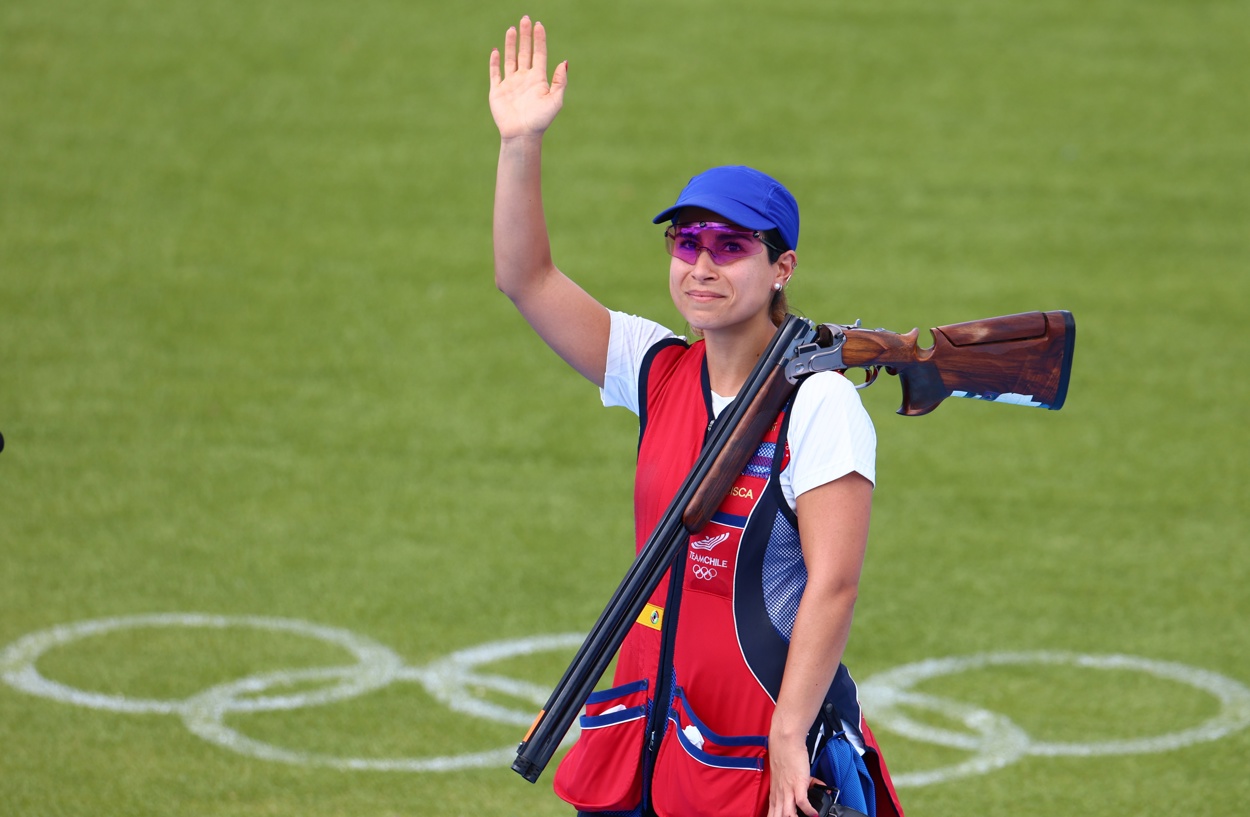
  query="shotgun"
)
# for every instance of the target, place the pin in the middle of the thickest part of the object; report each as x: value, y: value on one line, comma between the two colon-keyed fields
x: 1024, y: 359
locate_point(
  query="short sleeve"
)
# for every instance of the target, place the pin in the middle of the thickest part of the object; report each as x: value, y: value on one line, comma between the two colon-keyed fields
x: 628, y: 343
x: 830, y: 435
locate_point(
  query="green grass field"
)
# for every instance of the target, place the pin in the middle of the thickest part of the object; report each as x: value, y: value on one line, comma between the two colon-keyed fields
x: 253, y: 367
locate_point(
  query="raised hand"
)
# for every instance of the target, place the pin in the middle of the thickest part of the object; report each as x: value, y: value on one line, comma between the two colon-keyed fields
x: 521, y: 100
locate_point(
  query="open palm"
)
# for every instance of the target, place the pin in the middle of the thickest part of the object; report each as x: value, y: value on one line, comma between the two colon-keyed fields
x: 521, y: 100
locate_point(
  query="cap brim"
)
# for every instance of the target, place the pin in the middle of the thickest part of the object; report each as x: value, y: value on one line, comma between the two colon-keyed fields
x: 731, y: 210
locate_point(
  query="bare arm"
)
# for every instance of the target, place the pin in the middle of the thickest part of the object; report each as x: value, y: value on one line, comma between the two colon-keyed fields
x: 523, y: 105
x: 833, y: 527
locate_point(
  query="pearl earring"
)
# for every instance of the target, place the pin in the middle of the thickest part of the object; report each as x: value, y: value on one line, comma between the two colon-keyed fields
x: 777, y: 287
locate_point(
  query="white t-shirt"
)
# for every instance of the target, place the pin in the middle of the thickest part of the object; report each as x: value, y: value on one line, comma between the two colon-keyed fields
x: 830, y: 433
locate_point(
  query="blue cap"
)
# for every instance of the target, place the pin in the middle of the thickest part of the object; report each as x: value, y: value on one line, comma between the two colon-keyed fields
x: 744, y: 196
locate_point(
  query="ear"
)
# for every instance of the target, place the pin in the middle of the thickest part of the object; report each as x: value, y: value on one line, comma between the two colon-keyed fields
x: 785, y: 267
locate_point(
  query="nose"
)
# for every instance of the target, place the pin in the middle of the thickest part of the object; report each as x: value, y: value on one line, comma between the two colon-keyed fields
x: 704, y: 266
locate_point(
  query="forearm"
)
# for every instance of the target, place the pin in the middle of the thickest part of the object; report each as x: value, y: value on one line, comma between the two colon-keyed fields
x: 522, y: 247
x: 833, y: 527
x: 822, y: 628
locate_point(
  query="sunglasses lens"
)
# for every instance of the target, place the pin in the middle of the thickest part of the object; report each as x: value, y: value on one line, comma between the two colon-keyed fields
x: 724, y: 244
x: 681, y: 246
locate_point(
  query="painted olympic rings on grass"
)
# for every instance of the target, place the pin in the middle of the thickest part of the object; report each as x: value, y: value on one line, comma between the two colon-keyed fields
x: 457, y: 681
x: 453, y: 681
x: 996, y: 742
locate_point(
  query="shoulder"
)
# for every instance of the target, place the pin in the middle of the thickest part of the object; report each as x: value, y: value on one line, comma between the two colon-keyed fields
x: 632, y: 337
x: 830, y: 433
x: 637, y: 332
x: 826, y: 393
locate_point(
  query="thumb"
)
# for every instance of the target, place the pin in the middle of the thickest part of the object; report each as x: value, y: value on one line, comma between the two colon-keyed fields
x: 560, y: 79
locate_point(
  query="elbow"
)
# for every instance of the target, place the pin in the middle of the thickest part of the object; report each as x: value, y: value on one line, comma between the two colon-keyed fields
x: 834, y: 592
x: 501, y: 277
x: 514, y: 293
x: 507, y: 285
x: 522, y: 283
x: 847, y: 596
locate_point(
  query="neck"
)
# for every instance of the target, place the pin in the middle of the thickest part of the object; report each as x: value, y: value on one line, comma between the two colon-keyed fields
x: 732, y: 354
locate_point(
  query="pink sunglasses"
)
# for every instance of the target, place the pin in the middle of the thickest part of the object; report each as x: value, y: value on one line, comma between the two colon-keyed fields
x: 723, y: 242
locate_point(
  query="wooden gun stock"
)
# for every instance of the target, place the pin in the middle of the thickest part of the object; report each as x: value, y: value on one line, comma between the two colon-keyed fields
x: 1024, y: 359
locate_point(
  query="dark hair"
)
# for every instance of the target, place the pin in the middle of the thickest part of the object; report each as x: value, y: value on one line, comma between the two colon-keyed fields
x: 776, y: 246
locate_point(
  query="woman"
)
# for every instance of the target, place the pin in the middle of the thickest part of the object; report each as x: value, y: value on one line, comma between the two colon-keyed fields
x: 769, y: 586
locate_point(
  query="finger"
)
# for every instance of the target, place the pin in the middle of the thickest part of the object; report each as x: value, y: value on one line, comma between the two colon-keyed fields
x: 540, y: 48
x: 804, y: 806
x: 779, y: 805
x: 509, y: 52
x: 495, y: 77
x: 525, y: 47
x: 560, y: 81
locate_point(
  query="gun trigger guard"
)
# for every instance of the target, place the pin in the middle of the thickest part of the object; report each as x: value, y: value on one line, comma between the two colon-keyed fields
x: 872, y: 372
x: 870, y: 377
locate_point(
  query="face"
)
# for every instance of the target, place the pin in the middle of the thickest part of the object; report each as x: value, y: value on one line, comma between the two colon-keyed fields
x: 733, y: 291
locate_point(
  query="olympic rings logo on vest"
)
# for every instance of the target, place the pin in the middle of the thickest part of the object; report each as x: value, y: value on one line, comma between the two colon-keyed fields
x: 891, y: 698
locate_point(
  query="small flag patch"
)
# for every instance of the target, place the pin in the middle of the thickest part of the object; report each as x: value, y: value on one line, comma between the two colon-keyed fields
x: 652, y: 617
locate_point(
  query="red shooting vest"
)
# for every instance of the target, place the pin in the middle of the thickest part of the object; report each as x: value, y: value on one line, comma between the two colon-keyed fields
x: 742, y: 579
